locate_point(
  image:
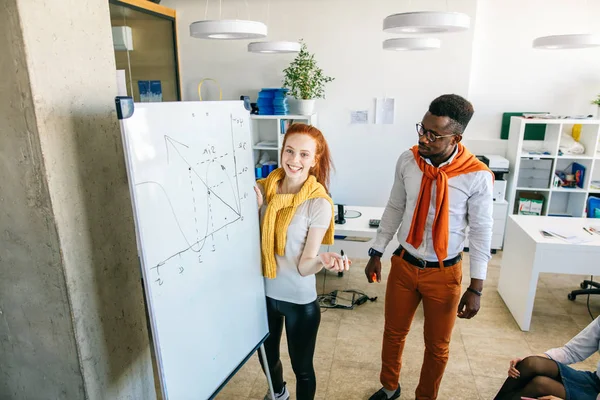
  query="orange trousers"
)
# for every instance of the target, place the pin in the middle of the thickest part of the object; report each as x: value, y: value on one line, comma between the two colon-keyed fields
x: 440, y: 290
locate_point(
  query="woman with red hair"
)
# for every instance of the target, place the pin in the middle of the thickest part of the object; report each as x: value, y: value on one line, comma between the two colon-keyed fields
x: 296, y: 216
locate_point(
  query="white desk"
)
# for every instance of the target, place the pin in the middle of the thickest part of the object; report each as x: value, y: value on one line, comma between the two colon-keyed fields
x: 355, y: 228
x: 359, y: 227
x: 355, y: 237
x: 527, y: 253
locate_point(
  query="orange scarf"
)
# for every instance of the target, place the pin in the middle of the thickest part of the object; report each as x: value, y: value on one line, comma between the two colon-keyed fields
x: 463, y: 163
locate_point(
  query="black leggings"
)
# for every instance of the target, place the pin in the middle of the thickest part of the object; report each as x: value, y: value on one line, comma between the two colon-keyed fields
x: 301, y: 326
x: 539, y: 377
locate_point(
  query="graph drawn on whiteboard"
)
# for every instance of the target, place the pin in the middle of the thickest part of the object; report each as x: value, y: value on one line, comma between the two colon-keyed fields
x: 216, y: 201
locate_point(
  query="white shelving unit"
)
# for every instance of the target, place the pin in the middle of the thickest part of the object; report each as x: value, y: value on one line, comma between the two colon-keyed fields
x: 268, y: 131
x: 534, y: 173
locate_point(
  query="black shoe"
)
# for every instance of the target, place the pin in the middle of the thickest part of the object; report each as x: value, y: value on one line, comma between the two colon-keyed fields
x: 380, y: 395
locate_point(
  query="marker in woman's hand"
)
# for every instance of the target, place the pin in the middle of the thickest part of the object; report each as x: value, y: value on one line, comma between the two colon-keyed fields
x: 345, y: 260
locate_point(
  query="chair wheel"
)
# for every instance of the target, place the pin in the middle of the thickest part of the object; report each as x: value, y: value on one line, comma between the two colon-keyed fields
x: 583, y: 285
x: 571, y: 296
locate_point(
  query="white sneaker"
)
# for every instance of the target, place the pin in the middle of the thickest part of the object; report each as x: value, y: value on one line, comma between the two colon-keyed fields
x: 284, y: 395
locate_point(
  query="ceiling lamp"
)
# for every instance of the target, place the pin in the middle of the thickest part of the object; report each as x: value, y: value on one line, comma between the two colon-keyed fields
x: 404, y: 44
x: 426, y: 22
x: 228, y: 29
x: 274, y: 47
x: 575, y: 41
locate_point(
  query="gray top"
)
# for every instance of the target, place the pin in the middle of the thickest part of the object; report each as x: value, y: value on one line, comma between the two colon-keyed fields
x: 586, y: 343
x: 289, y: 285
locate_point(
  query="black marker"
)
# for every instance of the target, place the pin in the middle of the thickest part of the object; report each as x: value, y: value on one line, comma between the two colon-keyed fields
x: 344, y: 258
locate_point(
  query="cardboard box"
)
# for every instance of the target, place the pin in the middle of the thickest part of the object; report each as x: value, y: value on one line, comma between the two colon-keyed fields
x: 530, y: 203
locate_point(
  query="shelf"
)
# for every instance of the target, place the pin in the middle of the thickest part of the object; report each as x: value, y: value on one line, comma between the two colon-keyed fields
x: 265, y: 148
x: 305, y: 117
x: 575, y: 157
x: 538, y: 156
x: 528, y: 189
x: 554, y: 121
x: 567, y: 190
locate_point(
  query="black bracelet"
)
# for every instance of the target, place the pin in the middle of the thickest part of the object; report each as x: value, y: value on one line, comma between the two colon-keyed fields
x: 477, y: 292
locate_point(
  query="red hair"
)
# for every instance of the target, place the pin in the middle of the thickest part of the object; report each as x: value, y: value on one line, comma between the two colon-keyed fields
x: 323, y: 164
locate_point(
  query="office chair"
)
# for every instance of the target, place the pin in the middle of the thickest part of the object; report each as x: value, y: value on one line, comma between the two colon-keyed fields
x: 587, y: 287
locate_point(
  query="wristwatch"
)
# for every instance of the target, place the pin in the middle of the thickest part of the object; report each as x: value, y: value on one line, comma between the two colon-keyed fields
x: 375, y: 253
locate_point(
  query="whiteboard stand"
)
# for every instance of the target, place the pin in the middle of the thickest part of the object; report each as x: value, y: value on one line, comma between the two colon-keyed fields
x: 263, y: 354
x: 190, y: 172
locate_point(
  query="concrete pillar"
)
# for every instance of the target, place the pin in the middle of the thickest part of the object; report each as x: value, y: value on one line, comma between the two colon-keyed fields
x: 72, y: 317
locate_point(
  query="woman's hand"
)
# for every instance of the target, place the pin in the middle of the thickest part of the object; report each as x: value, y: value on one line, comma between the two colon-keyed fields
x: 334, y: 262
x: 549, y: 398
x: 259, y: 197
x: 513, y: 372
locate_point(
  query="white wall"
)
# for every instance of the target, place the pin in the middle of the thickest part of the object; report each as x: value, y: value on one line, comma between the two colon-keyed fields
x: 493, y: 65
x: 508, y: 75
x: 346, y: 37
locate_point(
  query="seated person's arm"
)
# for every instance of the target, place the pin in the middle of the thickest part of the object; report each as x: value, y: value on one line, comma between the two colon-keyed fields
x: 580, y: 347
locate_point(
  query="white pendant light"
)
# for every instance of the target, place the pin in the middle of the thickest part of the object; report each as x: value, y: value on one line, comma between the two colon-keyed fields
x: 575, y: 41
x: 228, y: 29
x: 426, y: 22
x: 274, y: 47
x: 411, y: 43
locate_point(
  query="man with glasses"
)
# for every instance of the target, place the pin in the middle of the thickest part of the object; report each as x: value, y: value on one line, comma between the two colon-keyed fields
x: 439, y: 189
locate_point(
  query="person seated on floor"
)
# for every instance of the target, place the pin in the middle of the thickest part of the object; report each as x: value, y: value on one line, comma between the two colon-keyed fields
x: 548, y: 376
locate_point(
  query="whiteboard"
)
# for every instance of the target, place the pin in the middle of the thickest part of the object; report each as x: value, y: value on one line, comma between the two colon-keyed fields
x: 191, y: 176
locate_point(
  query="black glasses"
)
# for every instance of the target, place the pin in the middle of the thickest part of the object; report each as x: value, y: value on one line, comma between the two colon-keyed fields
x: 429, y: 134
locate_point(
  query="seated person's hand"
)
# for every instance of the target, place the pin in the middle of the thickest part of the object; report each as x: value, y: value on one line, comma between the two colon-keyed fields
x: 513, y: 372
x: 549, y: 398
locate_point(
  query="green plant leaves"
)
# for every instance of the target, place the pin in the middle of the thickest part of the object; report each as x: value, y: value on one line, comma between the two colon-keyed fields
x: 304, y: 78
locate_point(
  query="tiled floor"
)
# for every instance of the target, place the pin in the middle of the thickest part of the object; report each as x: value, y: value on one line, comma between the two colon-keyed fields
x: 347, y: 358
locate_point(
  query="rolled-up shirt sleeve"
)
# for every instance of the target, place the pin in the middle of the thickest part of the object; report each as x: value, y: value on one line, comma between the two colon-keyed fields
x: 480, y: 208
x: 394, y: 211
x: 580, y: 347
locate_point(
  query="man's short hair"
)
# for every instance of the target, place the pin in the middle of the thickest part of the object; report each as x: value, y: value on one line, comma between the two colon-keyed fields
x: 455, y: 107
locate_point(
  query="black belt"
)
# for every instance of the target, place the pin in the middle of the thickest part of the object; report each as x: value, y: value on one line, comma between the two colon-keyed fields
x: 421, y: 264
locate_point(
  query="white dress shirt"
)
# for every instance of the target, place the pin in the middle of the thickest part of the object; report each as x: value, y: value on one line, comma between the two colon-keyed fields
x: 470, y: 204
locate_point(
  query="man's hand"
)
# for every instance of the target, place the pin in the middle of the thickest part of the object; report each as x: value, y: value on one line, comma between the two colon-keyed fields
x: 469, y: 305
x: 373, y: 270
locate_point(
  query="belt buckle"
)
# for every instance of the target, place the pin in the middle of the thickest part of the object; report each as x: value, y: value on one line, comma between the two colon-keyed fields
x: 423, y: 263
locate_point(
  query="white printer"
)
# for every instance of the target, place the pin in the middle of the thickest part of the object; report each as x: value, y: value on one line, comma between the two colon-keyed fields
x: 499, y: 166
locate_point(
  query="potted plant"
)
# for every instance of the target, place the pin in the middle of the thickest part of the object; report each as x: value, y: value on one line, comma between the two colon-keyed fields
x: 597, y: 103
x: 305, y: 81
